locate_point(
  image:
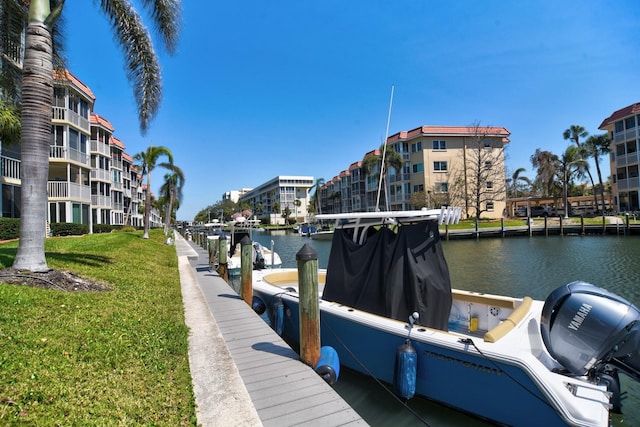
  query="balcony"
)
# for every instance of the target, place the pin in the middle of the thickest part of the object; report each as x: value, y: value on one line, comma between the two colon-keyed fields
x: 66, y: 115
x: 100, y: 175
x: 100, y: 148
x: 98, y: 201
x: 10, y: 168
x: 68, y: 190
x: 65, y: 153
x: 116, y: 163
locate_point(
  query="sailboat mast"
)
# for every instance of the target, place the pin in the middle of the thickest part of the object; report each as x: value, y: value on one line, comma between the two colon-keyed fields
x: 384, y: 152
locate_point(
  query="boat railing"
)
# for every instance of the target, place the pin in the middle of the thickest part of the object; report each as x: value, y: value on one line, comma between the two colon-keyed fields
x: 510, y: 322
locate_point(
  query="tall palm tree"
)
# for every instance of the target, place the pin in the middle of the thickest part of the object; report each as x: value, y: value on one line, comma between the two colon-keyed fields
x: 148, y: 161
x: 317, y: 188
x: 392, y: 159
x: 9, y: 124
x: 599, y: 145
x: 571, y: 163
x: 574, y: 133
x: 143, y: 72
x: 515, y: 178
x: 546, y: 164
x: 172, y: 189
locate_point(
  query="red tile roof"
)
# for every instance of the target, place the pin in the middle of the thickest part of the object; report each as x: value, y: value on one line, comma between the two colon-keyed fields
x: 66, y: 75
x: 450, y: 131
x: 99, y: 120
x: 627, y: 111
x: 355, y: 165
x: 115, y: 141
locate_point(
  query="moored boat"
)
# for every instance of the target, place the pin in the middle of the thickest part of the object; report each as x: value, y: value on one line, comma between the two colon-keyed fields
x: 510, y: 360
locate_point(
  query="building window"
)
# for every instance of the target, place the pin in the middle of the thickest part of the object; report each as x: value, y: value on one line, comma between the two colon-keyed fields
x: 416, y: 147
x: 487, y: 165
x: 440, y: 166
x: 441, y: 187
x: 630, y: 122
x: 439, y: 145
x: 417, y: 188
x: 489, y: 206
x: 619, y: 126
x: 620, y: 149
x: 486, y: 143
x: 489, y: 185
x: 418, y: 167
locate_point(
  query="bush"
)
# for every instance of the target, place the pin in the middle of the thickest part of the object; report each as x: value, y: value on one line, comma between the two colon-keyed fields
x: 102, y: 228
x: 68, y: 229
x: 9, y: 228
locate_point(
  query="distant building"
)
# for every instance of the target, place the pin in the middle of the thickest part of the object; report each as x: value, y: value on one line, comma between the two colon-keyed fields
x: 441, y: 165
x: 235, y: 195
x: 275, y: 196
x: 624, y: 130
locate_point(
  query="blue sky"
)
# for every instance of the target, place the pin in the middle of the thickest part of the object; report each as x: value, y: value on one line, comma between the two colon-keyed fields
x: 259, y: 89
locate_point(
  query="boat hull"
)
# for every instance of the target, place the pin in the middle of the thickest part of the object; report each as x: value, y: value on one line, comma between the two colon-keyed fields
x: 454, y: 374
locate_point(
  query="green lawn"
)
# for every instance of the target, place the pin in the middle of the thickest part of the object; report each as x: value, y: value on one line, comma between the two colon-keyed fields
x: 101, y: 358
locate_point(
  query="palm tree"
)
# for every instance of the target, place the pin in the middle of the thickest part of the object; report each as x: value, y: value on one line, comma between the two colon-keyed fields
x: 392, y: 159
x: 515, y: 178
x: 546, y: 164
x: 574, y: 133
x: 172, y: 190
x: 317, y: 188
x: 570, y: 157
x: 148, y: 162
x: 9, y: 124
x: 143, y: 71
x: 599, y: 145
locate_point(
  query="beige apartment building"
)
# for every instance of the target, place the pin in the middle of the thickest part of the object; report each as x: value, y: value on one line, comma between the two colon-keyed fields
x: 441, y: 165
x: 623, y: 126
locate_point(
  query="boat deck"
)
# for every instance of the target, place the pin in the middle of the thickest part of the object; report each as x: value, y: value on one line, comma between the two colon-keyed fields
x: 283, y: 390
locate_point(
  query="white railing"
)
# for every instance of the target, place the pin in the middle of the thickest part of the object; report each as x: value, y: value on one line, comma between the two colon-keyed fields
x: 100, y: 147
x: 116, y: 163
x: 64, y: 114
x: 68, y: 190
x: 100, y: 174
x: 58, y: 152
x: 100, y: 201
x: 625, y: 184
x: 117, y: 206
x: 10, y: 168
x: 116, y: 186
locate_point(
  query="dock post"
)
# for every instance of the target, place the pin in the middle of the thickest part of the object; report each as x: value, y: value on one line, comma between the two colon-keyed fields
x: 446, y: 231
x: 582, y: 225
x: 546, y: 228
x: 477, y: 233
x: 246, y: 268
x: 307, y: 260
x: 502, y: 226
x: 561, y: 228
x: 211, y: 249
x: 222, y: 259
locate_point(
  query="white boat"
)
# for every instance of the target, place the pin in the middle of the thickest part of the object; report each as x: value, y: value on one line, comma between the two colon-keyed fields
x: 262, y: 258
x: 510, y: 360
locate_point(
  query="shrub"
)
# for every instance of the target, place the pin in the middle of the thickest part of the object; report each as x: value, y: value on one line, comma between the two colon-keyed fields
x: 102, y: 228
x: 9, y: 228
x: 68, y: 229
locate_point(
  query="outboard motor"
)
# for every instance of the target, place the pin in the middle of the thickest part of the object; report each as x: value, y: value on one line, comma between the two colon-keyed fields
x: 258, y: 257
x: 591, y: 331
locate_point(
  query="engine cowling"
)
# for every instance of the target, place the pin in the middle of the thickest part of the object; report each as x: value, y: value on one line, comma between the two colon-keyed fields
x: 586, y: 328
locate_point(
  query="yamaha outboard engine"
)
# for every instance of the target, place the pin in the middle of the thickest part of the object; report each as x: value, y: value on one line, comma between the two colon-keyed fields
x: 592, y: 332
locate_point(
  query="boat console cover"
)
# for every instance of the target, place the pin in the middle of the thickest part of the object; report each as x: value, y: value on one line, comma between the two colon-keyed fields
x: 392, y: 274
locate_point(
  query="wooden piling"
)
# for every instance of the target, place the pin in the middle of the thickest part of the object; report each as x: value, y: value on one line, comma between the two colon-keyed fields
x: 246, y: 269
x: 582, y: 225
x: 222, y: 259
x: 309, y: 307
x: 561, y: 227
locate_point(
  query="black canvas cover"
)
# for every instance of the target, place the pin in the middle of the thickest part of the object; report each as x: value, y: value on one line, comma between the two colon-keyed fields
x: 392, y: 274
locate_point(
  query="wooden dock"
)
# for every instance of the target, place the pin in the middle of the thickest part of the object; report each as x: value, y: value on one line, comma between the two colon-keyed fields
x: 283, y: 390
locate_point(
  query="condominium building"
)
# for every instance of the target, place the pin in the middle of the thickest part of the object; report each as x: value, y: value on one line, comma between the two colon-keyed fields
x: 440, y: 165
x: 91, y: 179
x: 623, y: 127
x: 279, y: 195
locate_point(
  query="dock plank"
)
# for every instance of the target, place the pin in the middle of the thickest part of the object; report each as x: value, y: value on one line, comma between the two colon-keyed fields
x: 283, y: 390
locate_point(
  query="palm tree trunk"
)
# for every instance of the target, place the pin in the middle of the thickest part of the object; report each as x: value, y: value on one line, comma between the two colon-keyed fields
x: 604, y: 206
x: 37, y: 98
x: 147, y: 207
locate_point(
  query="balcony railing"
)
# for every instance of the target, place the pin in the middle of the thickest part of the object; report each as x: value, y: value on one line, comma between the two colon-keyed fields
x: 57, y: 152
x: 100, y: 201
x: 116, y: 163
x: 100, y: 175
x: 10, y: 168
x: 629, y: 183
x: 68, y: 190
x: 64, y: 114
x: 100, y: 147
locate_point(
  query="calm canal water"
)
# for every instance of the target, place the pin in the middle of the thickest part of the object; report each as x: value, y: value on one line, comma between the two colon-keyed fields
x: 515, y: 266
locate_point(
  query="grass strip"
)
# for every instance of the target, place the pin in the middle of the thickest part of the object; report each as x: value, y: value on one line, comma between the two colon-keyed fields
x: 97, y: 358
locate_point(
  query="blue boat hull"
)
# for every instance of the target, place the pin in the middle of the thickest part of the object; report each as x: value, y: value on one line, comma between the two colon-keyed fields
x: 465, y: 381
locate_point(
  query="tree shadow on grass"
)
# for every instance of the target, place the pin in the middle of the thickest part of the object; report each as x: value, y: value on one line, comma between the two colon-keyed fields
x: 7, y: 255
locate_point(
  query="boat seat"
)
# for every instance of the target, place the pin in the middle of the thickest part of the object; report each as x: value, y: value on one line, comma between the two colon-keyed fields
x: 490, y: 300
x: 284, y: 278
x: 510, y: 322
